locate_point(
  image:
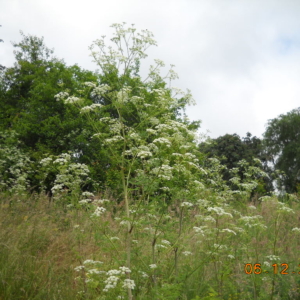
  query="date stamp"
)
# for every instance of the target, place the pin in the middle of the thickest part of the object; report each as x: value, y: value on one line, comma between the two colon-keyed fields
x: 282, y: 269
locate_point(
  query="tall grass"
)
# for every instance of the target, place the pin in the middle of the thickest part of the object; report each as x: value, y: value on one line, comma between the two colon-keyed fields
x: 191, y: 251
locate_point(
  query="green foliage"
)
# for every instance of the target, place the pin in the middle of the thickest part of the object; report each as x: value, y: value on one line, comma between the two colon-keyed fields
x: 28, y: 106
x: 282, y: 139
x: 140, y: 121
x: 198, y: 252
x: 16, y: 169
x: 231, y: 150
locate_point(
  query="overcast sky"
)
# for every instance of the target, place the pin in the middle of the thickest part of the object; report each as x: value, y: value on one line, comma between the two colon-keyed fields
x: 240, y: 58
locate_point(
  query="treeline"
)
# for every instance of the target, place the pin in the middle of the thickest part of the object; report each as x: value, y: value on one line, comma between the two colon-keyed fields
x: 38, y: 125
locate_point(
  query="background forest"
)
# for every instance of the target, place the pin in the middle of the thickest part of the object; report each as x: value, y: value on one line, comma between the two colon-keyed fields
x: 109, y: 192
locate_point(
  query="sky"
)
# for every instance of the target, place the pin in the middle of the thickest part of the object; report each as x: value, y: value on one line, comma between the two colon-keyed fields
x: 239, y: 58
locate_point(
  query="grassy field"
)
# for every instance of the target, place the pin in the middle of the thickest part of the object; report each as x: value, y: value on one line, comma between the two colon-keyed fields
x: 187, y: 251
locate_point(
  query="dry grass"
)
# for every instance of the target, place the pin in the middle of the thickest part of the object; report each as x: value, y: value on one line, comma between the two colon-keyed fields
x: 42, y: 243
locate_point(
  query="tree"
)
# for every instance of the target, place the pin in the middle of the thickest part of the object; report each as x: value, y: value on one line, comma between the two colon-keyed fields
x: 230, y: 149
x: 282, y: 140
x: 27, y: 105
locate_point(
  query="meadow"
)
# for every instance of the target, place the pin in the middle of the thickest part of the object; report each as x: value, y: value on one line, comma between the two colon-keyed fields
x: 206, y: 250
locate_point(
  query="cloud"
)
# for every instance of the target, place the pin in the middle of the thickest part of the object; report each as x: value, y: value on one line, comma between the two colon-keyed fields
x: 240, y: 58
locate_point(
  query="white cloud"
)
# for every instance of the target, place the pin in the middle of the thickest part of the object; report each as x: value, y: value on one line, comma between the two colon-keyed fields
x: 240, y: 58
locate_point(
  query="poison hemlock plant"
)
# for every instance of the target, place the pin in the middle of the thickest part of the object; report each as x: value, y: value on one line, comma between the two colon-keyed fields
x: 151, y: 143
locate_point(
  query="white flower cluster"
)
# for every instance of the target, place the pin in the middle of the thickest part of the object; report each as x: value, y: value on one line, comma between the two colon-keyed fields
x: 200, y: 230
x: 166, y: 242
x: 153, y: 266
x: 87, y: 194
x: 92, y: 262
x: 113, y: 140
x: 283, y: 208
x: 90, y: 108
x: 163, y: 172
x: 114, y: 277
x: 151, y: 131
x: 90, y: 84
x: 228, y: 230
x: 187, y: 204
x: 128, y: 284
x: 46, y: 161
x: 143, y: 152
x: 252, y: 221
x: 62, y: 159
x: 61, y: 96
x: 98, y: 212
x: 111, y: 283
x: 273, y: 258
x: 100, y: 90
x: 163, y: 141
x: 123, y: 95
x: 70, y: 177
x: 219, y: 211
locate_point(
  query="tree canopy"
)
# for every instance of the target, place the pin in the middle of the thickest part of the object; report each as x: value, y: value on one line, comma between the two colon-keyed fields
x: 282, y: 140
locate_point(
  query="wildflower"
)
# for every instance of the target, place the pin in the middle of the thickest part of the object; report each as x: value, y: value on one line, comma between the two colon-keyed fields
x: 296, y: 229
x: 230, y: 256
x: 186, y: 204
x: 151, y: 131
x: 220, y: 247
x: 113, y: 272
x: 95, y: 271
x: 79, y: 268
x: 228, y: 230
x: 124, y: 222
x: 61, y: 96
x: 76, y: 226
x: 252, y: 221
x: 153, y: 266
x: 84, y: 201
x: 163, y: 141
x: 124, y: 270
x: 267, y: 264
x: 98, y: 212
x: 160, y: 246
x: 187, y: 253
x: 87, y: 194
x: 273, y: 257
x: 90, y: 84
x: 143, y: 274
x: 111, y: 283
x: 284, y: 208
x: 45, y: 161
x: 100, y: 90
x: 219, y: 211
x: 129, y: 284
x: 93, y: 262
x: 209, y: 219
x: 165, y: 188
x: 100, y: 201
x: 265, y: 198
x: 199, y: 229
x: 90, y: 108
x: 166, y: 242
x: 144, y: 154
